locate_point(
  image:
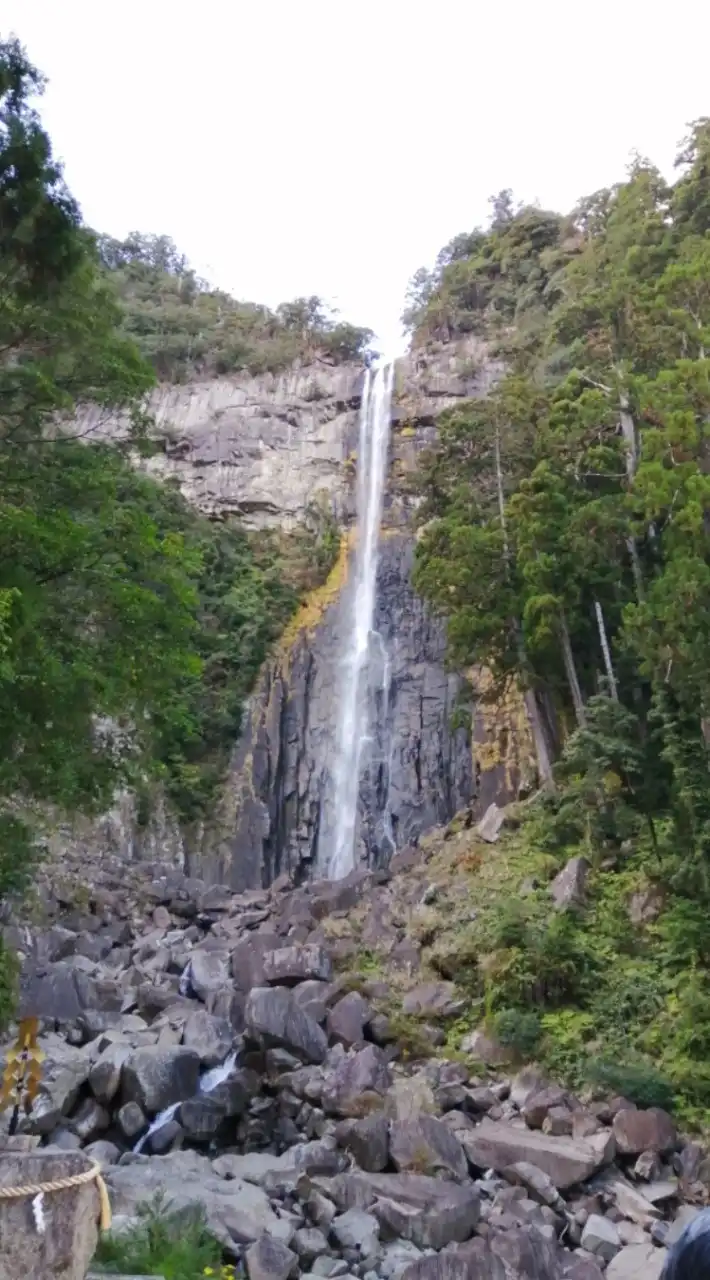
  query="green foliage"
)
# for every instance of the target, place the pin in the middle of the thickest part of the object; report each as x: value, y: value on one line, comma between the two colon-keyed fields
x: 186, y: 329
x: 131, y: 628
x: 518, y: 1030
x: 640, y: 1082
x: 176, y: 1245
x: 9, y: 977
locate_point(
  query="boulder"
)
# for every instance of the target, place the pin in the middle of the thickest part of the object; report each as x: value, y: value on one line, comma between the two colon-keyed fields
x: 434, y: 1000
x: 425, y: 1145
x: 489, y: 827
x: 157, y: 1077
x: 209, y: 1036
x: 637, y: 1262
x: 356, y: 1229
x: 105, y: 1075
x: 368, y: 1142
x: 209, y: 972
x: 428, y: 1212
x: 64, y: 1071
x: 485, y: 1048
x: 495, y: 1145
x: 569, y: 885
x: 539, y: 1104
x: 201, y: 1117
x: 288, y: 966
x: 269, y: 1259
x: 600, y: 1237
x: 247, y: 960
x: 637, y: 1131
x: 236, y: 1212
x: 313, y: 997
x: 357, y: 1084
x: 274, y: 1018
x: 131, y: 1120
x: 348, y: 1018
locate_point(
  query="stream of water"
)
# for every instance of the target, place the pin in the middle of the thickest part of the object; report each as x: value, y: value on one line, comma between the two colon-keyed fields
x: 352, y: 714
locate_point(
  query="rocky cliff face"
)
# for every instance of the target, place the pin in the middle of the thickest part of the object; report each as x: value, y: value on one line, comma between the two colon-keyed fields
x: 264, y: 449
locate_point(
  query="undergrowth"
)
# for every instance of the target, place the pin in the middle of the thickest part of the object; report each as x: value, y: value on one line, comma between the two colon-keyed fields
x: 176, y: 1245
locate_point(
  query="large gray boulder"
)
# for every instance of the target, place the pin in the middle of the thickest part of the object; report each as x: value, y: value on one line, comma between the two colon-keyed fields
x: 358, y: 1083
x: 156, y: 1077
x: 495, y: 1145
x: 426, y: 1145
x: 287, y: 966
x: 273, y: 1017
x: 425, y: 1211
x: 637, y: 1131
x: 209, y: 1036
x: 269, y: 1259
x: 236, y: 1211
x: 209, y: 972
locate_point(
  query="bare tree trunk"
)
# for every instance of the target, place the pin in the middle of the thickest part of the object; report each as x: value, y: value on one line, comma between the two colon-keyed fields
x: 606, y: 651
x: 630, y: 437
x: 571, y: 672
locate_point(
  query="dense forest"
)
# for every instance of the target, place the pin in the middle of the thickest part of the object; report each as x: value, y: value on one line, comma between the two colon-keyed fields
x: 567, y: 540
x: 131, y: 628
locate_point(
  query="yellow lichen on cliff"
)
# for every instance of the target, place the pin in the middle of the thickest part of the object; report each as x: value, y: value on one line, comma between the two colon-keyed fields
x: 507, y: 741
x: 314, y: 604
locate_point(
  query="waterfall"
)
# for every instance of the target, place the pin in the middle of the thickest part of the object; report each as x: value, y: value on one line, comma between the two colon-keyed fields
x: 209, y: 1081
x: 352, y: 721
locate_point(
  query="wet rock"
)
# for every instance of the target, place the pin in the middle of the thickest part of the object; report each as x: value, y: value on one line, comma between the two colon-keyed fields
x: 131, y: 1120
x: 427, y: 1146
x: 273, y: 1016
x: 288, y: 966
x: 495, y: 1145
x: 157, y: 1077
x: 636, y: 1131
x: 269, y: 1259
x: 209, y: 1036
x: 201, y: 1117
x: 348, y: 1018
x: 569, y: 885
x: 357, y: 1084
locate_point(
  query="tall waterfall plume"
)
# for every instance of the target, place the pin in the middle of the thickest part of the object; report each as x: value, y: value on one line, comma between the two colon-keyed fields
x: 352, y: 728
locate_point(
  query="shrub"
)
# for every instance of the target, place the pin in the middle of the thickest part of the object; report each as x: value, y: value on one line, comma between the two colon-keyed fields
x: 176, y: 1245
x: 640, y: 1082
x: 519, y: 1031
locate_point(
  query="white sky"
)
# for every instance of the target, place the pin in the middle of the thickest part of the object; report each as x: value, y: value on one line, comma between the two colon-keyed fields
x: 323, y: 146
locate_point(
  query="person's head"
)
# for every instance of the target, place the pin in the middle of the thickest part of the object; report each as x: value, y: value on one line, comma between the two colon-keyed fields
x: 689, y: 1257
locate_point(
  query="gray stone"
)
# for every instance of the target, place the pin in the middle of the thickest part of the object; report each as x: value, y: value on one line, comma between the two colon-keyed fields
x: 569, y: 885
x: 247, y: 960
x: 600, y: 1237
x: 235, y: 1210
x: 64, y: 1071
x: 131, y: 1120
x: 357, y: 1085
x: 201, y: 1117
x: 273, y: 1016
x: 368, y: 1141
x: 485, y: 1048
x: 269, y: 1259
x: 348, y: 1018
x: 433, y: 1000
x: 313, y: 998
x: 288, y: 966
x: 90, y: 1120
x: 211, y: 1037
x: 636, y: 1131
x: 637, y: 1262
x: 425, y: 1145
x: 489, y: 827
x: 105, y: 1075
x: 537, y: 1183
x: 686, y: 1214
x: 356, y: 1229
x: 428, y: 1212
x: 309, y: 1243
x: 157, y: 1077
x: 209, y: 972
x: 495, y: 1145
x: 103, y: 1152
x: 539, y: 1104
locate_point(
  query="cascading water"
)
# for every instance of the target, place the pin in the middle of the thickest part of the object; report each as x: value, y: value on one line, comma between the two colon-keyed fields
x: 352, y: 722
